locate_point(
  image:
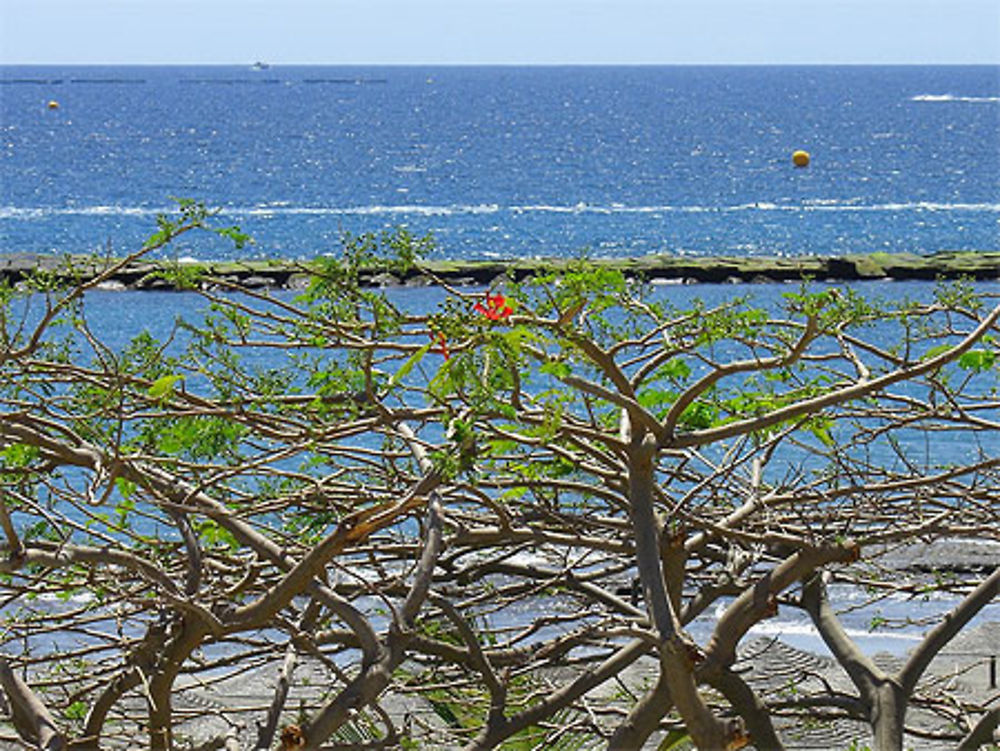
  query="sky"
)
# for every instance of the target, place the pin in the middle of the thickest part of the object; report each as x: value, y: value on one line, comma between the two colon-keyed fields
x: 499, y: 31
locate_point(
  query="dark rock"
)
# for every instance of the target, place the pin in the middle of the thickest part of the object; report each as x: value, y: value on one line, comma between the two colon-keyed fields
x: 15, y: 267
x: 384, y: 279
x: 257, y: 282
x: 420, y: 281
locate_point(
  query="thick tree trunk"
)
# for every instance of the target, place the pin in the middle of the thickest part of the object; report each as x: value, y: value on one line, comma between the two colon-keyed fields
x: 644, y: 717
x: 888, y: 714
x: 185, y: 640
x: 749, y: 706
x: 29, y: 714
x: 675, y: 651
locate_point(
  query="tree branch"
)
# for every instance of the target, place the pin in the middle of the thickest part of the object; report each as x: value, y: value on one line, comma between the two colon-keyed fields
x: 945, y: 631
x: 846, y: 394
x: 30, y: 716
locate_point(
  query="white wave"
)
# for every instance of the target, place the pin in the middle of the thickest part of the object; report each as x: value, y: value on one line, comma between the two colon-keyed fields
x: 542, y: 208
x: 756, y: 206
x: 908, y: 206
x: 76, y: 599
x: 282, y: 208
x: 19, y: 212
x: 112, y: 286
x: 953, y: 98
x: 777, y: 627
x: 404, y: 209
x: 614, y: 208
x: 824, y: 202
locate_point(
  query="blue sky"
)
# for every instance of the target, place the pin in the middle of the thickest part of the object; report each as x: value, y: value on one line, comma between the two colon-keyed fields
x: 500, y: 31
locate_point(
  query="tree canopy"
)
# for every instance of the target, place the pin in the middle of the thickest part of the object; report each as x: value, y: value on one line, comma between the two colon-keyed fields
x: 465, y: 525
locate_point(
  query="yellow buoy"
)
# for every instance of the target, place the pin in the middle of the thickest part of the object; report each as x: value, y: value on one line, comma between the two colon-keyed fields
x: 800, y: 158
x: 53, y: 104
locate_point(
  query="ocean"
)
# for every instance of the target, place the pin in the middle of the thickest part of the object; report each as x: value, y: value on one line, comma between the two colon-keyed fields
x: 501, y: 162
x: 504, y: 162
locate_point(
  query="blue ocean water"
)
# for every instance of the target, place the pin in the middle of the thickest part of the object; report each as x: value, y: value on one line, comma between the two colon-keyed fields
x: 502, y: 162
x: 507, y: 161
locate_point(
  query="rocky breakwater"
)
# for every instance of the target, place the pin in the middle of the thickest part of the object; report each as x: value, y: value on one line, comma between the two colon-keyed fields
x: 168, y: 274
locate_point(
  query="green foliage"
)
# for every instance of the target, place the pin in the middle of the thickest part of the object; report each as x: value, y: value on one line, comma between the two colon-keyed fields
x: 76, y: 710
x: 337, y: 291
x: 143, y: 356
x: 213, y: 535
x: 18, y: 455
x: 978, y: 360
x: 676, y: 740
x: 240, y: 239
x: 199, y: 438
x: 163, y: 387
x: 958, y: 294
x: 289, y: 418
x: 700, y: 415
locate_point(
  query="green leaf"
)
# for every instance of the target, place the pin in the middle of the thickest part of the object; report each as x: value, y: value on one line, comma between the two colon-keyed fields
x: 513, y: 494
x: 675, y: 740
x: 699, y: 415
x: 215, y: 535
x: 163, y: 387
x: 125, y: 487
x: 821, y: 429
x: 556, y: 368
x: 676, y: 369
x: 978, y: 360
x: 239, y: 238
x: 935, y: 351
x: 407, y: 366
x: 19, y: 455
x: 76, y: 711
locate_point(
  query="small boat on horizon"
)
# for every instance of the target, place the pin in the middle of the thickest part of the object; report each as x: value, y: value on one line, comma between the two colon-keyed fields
x: 259, y: 66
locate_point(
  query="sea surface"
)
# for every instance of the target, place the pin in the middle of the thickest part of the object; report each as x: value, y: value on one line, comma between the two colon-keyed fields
x: 506, y: 161
x: 502, y: 162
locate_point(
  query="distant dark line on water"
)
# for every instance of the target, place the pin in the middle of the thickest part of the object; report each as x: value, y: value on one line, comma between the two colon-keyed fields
x: 359, y: 81
x: 202, y: 81
x: 108, y: 81
x: 232, y: 81
x: 259, y: 81
x: 19, y: 81
x: 56, y: 81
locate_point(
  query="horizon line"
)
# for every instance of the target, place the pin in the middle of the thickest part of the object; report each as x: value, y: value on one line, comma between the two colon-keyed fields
x: 535, y: 64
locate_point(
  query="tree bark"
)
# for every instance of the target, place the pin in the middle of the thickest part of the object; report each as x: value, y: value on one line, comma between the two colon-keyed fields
x: 30, y: 715
x: 982, y: 733
x: 643, y: 718
x: 675, y: 651
x: 748, y: 705
x: 373, y: 679
x: 187, y: 637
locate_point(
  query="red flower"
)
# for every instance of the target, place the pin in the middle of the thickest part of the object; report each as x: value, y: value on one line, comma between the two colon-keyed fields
x: 442, y: 344
x: 496, y: 308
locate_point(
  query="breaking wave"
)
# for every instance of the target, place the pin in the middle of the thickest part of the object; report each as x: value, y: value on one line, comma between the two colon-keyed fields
x: 284, y: 209
x: 953, y: 98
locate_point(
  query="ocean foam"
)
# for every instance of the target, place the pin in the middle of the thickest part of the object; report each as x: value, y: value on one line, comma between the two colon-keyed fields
x: 953, y: 98
x: 282, y: 208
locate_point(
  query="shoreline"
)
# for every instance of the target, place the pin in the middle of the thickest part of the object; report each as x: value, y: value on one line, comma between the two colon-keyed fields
x: 152, y: 274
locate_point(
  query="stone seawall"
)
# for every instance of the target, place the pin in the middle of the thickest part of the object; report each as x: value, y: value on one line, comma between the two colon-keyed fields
x: 148, y: 274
